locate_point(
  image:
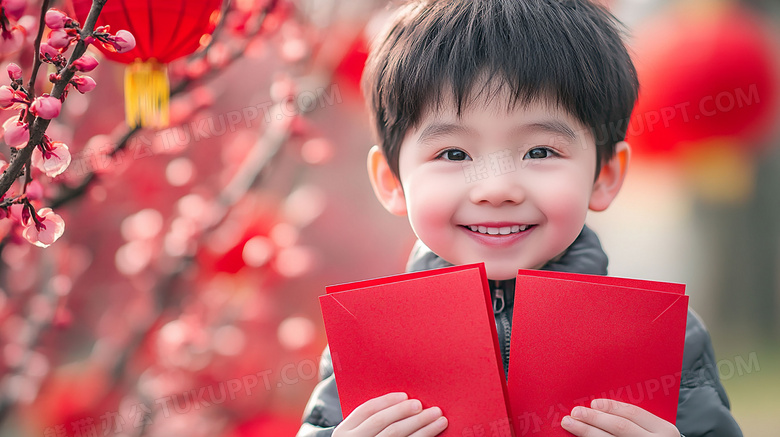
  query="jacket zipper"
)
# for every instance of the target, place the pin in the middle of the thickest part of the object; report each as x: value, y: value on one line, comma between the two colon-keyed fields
x: 498, y: 309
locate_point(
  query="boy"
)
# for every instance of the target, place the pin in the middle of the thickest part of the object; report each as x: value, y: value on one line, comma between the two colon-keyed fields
x: 501, y: 123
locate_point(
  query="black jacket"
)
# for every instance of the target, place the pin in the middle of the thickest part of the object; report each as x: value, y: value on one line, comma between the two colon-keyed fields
x: 703, y: 406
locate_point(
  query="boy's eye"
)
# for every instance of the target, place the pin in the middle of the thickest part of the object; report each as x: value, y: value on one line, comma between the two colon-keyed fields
x: 453, y: 155
x: 539, y: 153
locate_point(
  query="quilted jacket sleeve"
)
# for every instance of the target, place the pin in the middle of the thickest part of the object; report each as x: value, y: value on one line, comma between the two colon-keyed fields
x: 323, y: 411
x: 703, y: 409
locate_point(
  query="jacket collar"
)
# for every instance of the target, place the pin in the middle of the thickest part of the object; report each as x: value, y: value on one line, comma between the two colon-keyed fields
x: 585, y: 255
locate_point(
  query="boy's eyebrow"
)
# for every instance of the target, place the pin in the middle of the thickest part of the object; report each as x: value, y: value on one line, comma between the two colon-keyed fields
x: 436, y: 130
x: 552, y: 126
x: 549, y: 126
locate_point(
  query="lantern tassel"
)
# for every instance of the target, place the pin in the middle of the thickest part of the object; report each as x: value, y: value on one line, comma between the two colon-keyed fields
x: 147, y: 93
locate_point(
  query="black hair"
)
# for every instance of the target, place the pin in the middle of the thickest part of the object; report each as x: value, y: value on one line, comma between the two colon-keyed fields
x: 567, y: 52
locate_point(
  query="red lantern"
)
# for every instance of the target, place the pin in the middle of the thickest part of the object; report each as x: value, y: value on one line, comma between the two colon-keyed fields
x: 706, y: 72
x: 164, y: 30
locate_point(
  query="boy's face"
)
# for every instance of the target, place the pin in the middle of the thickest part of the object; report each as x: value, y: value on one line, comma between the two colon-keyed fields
x: 507, y: 188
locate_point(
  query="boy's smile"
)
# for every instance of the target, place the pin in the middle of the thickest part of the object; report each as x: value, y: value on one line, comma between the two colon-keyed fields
x: 510, y: 188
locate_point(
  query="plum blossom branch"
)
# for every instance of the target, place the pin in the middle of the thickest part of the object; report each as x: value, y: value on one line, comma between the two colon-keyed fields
x: 37, y: 59
x: 26, y: 135
x: 40, y: 124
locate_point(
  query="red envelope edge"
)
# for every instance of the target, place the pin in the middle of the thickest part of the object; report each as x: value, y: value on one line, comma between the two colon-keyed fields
x: 374, y: 326
x: 402, y: 277
x: 562, y: 352
x: 669, y: 287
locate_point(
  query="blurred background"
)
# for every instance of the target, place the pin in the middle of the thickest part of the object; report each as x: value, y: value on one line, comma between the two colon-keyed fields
x: 182, y: 297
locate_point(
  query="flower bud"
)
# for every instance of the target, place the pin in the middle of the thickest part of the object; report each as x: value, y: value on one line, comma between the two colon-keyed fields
x: 26, y: 216
x: 14, y: 71
x: 59, y: 39
x: 46, y: 106
x: 56, y: 19
x: 85, y: 63
x: 14, y: 9
x: 16, y: 134
x: 48, y: 50
x: 83, y: 84
x: 7, y: 96
x: 124, y: 41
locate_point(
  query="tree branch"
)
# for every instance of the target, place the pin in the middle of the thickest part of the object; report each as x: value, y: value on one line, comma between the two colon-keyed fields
x: 37, y: 57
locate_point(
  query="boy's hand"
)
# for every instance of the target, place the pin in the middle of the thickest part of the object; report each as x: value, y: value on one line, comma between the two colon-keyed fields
x: 606, y: 417
x: 393, y: 414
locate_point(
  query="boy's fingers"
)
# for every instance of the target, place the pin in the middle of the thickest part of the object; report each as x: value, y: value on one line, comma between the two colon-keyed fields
x: 380, y: 420
x: 424, y: 424
x: 639, y: 416
x: 609, y: 423
x: 371, y: 407
x: 432, y: 429
x: 582, y: 429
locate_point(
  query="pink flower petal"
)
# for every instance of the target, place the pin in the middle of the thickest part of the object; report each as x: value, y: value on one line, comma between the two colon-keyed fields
x: 56, y: 19
x: 85, y: 63
x: 48, y: 50
x: 59, y: 39
x: 52, y: 229
x: 53, y: 162
x: 7, y: 95
x: 14, y: 71
x: 83, y: 84
x: 10, y: 98
x: 46, y: 106
x: 15, y: 212
x: 124, y: 41
x: 14, y: 8
x: 34, y: 190
x: 16, y: 134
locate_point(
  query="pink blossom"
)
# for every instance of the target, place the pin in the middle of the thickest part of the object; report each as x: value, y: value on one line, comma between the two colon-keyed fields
x: 48, y: 50
x: 50, y: 229
x: 56, y: 19
x: 11, y: 98
x: 16, y: 134
x: 14, y: 71
x: 7, y: 96
x: 34, y: 190
x: 46, y: 106
x: 83, y: 84
x: 11, y: 41
x: 52, y: 162
x: 59, y: 39
x: 85, y: 63
x: 124, y: 41
x: 19, y: 212
x: 14, y: 8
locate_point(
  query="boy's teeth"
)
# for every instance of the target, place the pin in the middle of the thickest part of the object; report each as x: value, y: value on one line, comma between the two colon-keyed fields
x: 506, y: 230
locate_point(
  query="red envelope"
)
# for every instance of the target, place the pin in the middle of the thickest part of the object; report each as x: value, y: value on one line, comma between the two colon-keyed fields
x: 430, y: 334
x: 580, y: 337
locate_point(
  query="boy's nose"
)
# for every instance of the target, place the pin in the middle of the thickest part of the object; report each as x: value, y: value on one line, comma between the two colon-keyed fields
x: 497, y: 191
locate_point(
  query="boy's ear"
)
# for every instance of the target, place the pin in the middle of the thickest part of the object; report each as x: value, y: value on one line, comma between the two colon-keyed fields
x: 387, y: 187
x: 610, y: 178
